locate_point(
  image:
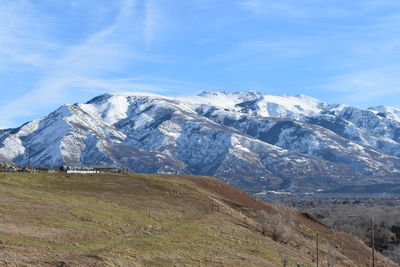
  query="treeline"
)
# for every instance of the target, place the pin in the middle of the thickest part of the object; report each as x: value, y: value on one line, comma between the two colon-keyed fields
x: 353, y: 214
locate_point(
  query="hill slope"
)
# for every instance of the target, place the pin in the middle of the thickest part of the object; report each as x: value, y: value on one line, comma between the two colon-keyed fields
x: 120, y: 220
x: 253, y: 141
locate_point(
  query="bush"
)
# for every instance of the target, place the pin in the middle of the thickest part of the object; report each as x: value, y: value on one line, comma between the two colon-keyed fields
x: 277, y: 225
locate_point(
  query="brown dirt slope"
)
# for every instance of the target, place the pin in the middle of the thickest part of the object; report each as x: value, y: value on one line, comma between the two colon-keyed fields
x: 154, y: 220
x: 308, y: 226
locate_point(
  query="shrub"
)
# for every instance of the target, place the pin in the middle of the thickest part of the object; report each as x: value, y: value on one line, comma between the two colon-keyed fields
x: 277, y: 225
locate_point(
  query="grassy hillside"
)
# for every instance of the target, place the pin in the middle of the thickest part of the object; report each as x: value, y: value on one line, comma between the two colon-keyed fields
x: 146, y: 220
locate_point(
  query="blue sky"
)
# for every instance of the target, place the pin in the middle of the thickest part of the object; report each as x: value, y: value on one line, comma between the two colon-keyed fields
x: 67, y: 51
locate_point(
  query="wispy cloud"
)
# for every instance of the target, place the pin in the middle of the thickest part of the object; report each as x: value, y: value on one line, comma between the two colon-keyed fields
x: 304, y: 9
x: 79, y: 68
x: 366, y: 85
x: 53, y: 52
x: 262, y: 50
x: 371, y: 65
x: 151, y: 22
x: 360, y: 56
x: 294, y: 10
x: 23, y: 41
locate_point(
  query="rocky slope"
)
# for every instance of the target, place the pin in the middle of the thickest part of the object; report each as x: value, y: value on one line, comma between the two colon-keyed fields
x: 253, y: 141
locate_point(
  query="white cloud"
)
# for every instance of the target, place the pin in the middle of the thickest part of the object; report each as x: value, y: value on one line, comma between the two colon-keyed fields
x: 300, y: 10
x: 370, y: 66
x: 363, y: 86
x: 23, y: 37
x: 69, y: 70
x: 361, y: 58
x: 295, y: 10
x: 151, y: 22
x: 255, y: 51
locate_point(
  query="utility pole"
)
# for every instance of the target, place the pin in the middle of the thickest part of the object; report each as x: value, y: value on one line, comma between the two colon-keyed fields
x: 317, y: 249
x: 373, y: 243
x: 372, y: 240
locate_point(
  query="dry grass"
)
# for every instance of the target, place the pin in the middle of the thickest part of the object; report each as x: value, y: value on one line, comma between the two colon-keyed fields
x: 141, y: 220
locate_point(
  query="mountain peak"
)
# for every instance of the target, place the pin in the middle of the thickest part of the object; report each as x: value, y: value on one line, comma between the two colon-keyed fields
x: 100, y: 98
x: 105, y: 97
x: 275, y: 142
x: 250, y: 95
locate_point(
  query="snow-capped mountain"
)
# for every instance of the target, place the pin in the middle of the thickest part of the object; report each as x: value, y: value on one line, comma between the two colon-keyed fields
x: 253, y: 141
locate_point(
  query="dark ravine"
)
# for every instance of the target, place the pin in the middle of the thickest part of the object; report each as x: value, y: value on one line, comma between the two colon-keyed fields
x: 252, y: 141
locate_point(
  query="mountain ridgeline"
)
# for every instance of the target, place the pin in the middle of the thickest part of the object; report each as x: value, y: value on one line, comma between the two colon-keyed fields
x: 252, y: 141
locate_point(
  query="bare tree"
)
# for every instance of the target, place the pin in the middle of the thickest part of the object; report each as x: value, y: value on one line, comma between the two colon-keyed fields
x: 277, y: 225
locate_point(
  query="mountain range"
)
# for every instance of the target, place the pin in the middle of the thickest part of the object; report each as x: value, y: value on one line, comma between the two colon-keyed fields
x: 252, y: 141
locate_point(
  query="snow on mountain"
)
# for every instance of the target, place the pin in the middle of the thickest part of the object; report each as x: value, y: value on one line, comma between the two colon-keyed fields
x: 257, y: 104
x: 248, y: 139
x: 390, y: 113
x: 12, y: 145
